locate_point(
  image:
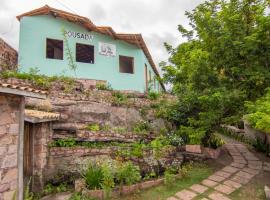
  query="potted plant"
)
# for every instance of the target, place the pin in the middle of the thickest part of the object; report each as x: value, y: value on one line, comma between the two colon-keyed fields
x: 192, y: 138
x: 212, y: 144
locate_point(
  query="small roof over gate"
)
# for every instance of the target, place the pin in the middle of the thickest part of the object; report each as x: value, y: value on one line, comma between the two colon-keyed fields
x: 36, y: 116
x: 22, y: 91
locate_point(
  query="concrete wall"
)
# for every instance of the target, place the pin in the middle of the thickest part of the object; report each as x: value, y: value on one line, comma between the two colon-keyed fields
x: 8, y: 57
x: 9, y: 132
x: 32, y: 53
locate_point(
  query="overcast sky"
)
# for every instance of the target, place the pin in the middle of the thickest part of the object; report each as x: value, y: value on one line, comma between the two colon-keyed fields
x: 156, y: 20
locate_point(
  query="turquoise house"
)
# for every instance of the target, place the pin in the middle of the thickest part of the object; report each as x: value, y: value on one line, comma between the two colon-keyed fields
x: 50, y: 38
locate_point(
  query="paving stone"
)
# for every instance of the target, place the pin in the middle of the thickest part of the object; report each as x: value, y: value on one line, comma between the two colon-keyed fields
x: 218, y: 196
x: 185, y: 195
x: 267, y: 192
x: 216, y: 178
x: 240, y: 180
x: 209, y: 183
x: 238, y: 165
x: 230, y: 169
x: 256, y: 167
x: 251, y: 158
x: 244, y: 175
x: 235, y: 153
x: 241, y: 161
x: 232, y: 184
x: 225, y: 189
x: 266, y: 166
x: 238, y: 157
x: 198, y: 188
x: 255, y: 163
x: 251, y: 171
x: 172, y: 198
x: 223, y: 174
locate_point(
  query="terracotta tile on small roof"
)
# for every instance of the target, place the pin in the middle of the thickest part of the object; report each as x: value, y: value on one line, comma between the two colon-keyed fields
x: 134, y: 39
x: 36, y: 116
x: 23, y: 91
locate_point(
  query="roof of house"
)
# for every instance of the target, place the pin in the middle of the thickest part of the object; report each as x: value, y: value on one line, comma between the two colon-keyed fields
x: 134, y: 39
x: 22, y: 91
x: 36, y: 116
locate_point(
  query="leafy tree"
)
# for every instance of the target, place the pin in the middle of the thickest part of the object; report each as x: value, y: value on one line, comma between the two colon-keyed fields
x: 224, y: 62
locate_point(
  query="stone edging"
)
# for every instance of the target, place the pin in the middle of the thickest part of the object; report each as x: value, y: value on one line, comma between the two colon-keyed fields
x: 100, y: 194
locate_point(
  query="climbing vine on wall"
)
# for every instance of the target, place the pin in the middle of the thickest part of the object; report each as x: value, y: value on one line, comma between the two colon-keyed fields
x: 69, y: 53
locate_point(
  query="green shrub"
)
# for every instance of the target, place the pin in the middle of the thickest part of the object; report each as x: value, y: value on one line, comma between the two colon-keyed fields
x: 150, y: 175
x: 153, y: 95
x: 93, y: 176
x: 68, y: 142
x: 184, y: 170
x: 108, y: 178
x: 212, y: 141
x: 128, y: 173
x: 50, y: 188
x: 103, y: 86
x: 169, y: 177
x: 259, y: 113
x: 92, y: 127
x: 119, y: 99
x: 137, y: 149
x: 141, y: 127
x: 175, y: 140
x: 38, y: 80
x: 157, y: 146
x: 28, y: 195
x: 119, y: 129
x: 259, y: 120
x: 191, y: 135
x: 261, y: 146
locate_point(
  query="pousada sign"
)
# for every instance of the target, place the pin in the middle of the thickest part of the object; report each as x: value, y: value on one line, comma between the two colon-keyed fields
x: 84, y: 36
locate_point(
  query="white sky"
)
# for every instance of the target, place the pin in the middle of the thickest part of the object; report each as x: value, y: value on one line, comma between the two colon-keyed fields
x: 156, y: 20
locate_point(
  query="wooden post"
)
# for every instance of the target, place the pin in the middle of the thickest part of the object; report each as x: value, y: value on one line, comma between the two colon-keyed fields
x: 20, y: 150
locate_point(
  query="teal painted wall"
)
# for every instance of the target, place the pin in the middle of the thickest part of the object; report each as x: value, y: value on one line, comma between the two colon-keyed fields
x: 32, y: 54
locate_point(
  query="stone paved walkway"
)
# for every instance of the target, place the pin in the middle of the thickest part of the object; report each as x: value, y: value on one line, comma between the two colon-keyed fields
x: 222, y: 183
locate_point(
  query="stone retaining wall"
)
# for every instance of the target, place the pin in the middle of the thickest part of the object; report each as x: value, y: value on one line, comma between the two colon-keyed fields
x: 9, y: 133
x: 8, y: 57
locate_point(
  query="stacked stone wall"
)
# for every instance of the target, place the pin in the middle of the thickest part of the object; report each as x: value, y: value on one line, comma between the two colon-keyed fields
x: 8, y: 57
x: 9, y: 132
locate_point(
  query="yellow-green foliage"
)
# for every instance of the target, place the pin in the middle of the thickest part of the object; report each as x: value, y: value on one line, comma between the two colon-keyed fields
x: 93, y: 127
x: 259, y: 113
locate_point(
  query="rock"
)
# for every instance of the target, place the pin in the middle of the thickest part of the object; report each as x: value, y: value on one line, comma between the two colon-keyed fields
x: 267, y: 192
x: 13, y: 129
x: 157, y: 125
x: 133, y: 116
x: 193, y: 149
x: 9, y: 161
x: 10, y: 176
x: 59, y: 196
x: 9, y: 195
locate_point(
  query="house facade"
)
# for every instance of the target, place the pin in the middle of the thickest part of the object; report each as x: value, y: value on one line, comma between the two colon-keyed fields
x: 61, y: 43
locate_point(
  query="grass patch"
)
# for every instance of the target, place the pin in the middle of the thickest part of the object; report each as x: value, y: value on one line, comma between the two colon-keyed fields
x: 253, y: 192
x: 39, y: 80
x: 195, y: 175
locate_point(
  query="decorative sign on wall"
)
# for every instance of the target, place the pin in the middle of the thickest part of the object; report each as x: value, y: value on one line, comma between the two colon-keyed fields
x: 106, y: 49
x: 83, y: 36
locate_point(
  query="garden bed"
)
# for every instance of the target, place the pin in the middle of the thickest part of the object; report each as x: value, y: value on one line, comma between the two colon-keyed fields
x: 125, y: 190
